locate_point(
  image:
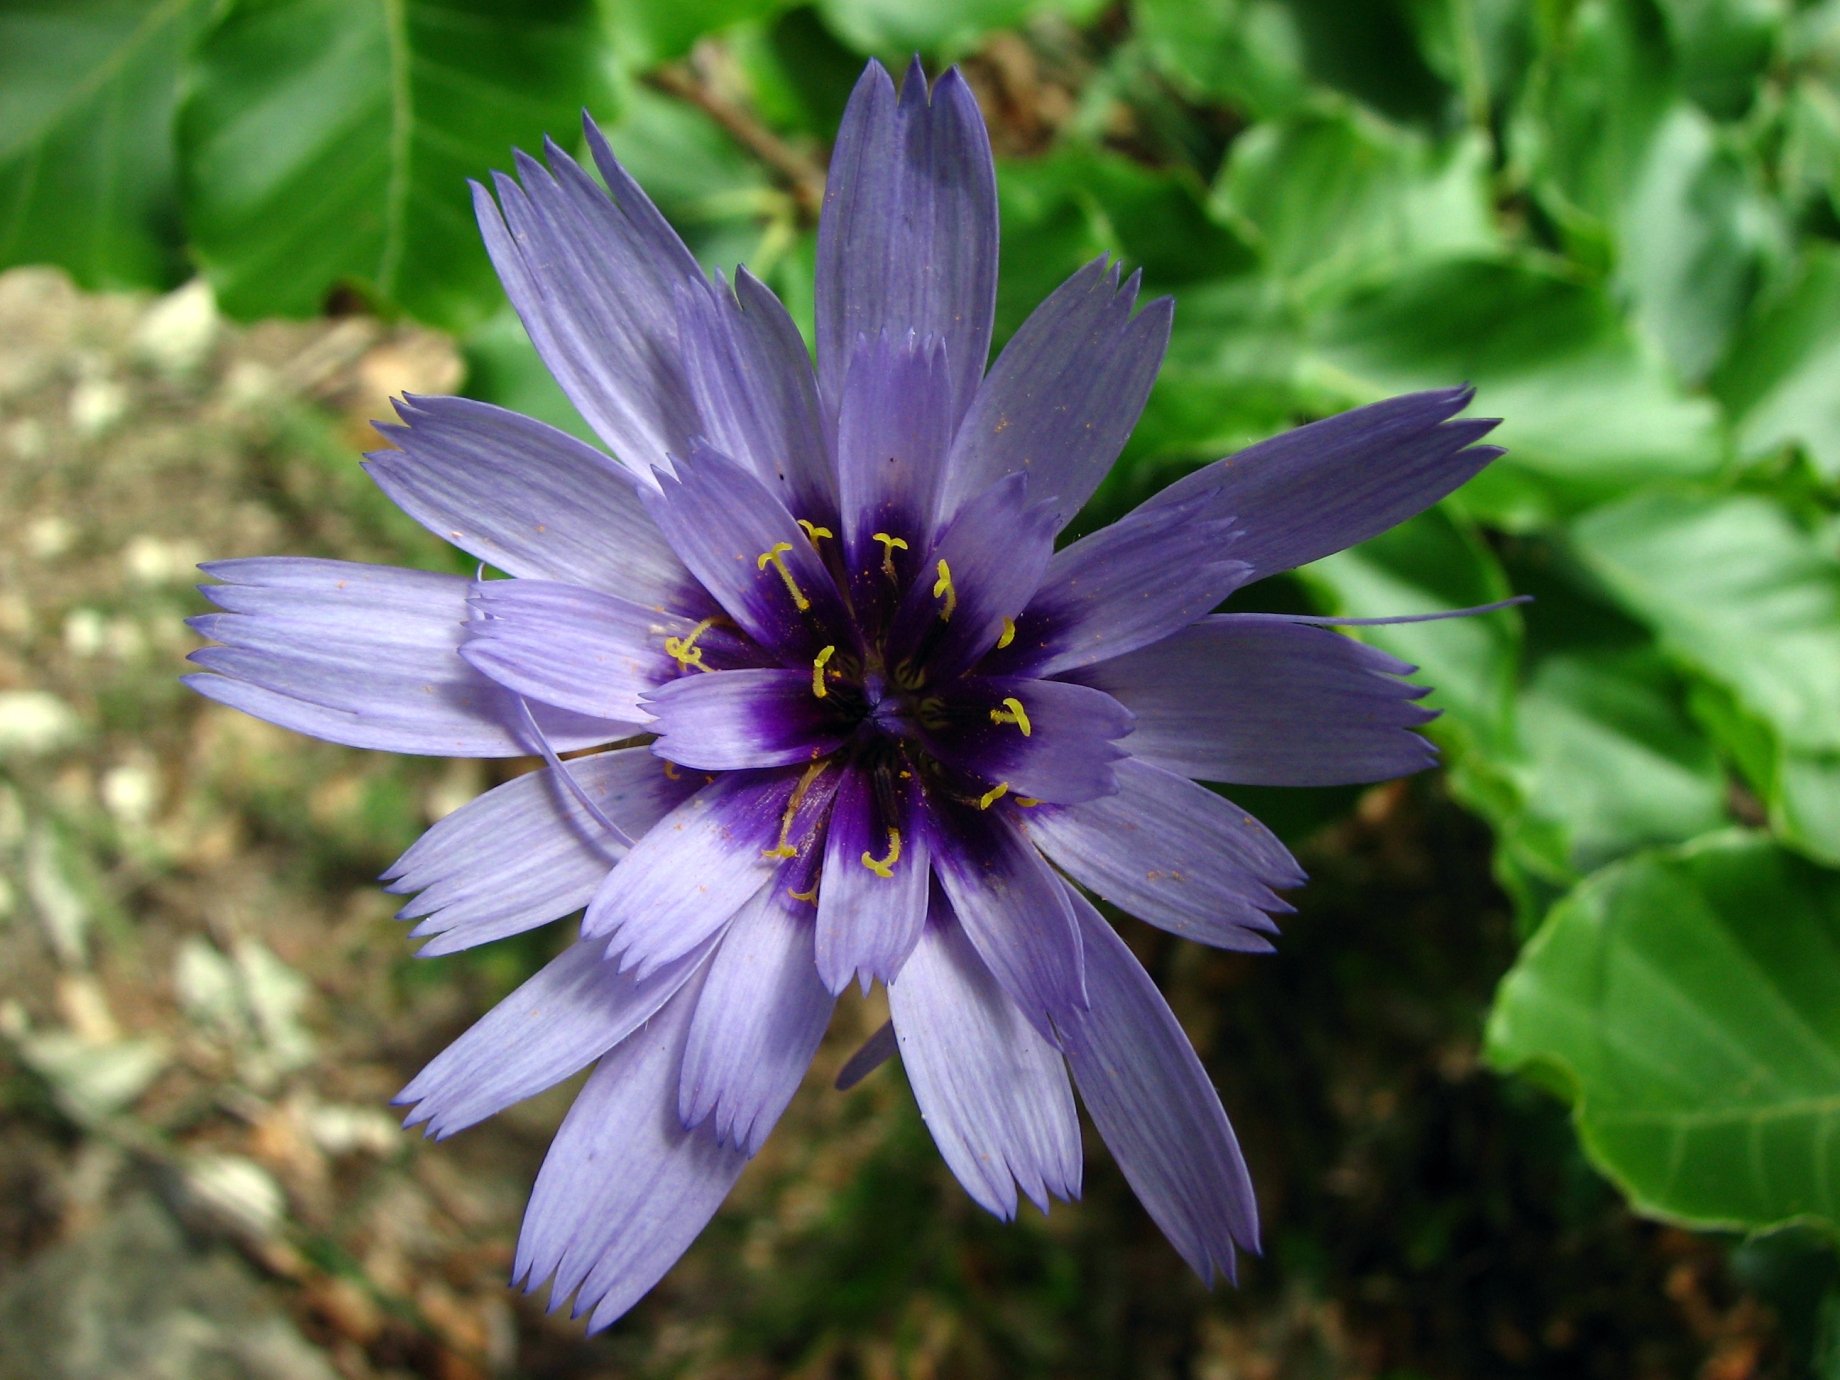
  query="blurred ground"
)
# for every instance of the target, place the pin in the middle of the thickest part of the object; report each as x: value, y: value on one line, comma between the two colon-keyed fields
x: 205, y: 1006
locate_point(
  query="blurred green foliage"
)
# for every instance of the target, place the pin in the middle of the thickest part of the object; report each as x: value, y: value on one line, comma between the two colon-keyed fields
x: 1618, y: 218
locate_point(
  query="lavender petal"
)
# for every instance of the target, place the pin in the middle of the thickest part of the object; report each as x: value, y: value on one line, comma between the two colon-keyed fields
x: 753, y: 383
x: 1333, y: 484
x: 891, y: 448
x: 1064, y: 394
x: 733, y: 720
x: 593, y: 278
x: 994, y: 551
x: 993, y: 1093
x: 1174, y: 854
x: 908, y: 236
x: 559, y: 1021
x: 1261, y: 700
x: 1067, y: 752
x: 625, y: 1188
x: 1124, y: 587
x: 758, y: 1021
x: 367, y: 656
x: 527, y: 852
x: 868, y: 923
x: 524, y: 497
x: 737, y: 537
x: 691, y: 872
x: 1153, y: 1104
x: 1014, y: 910
x: 595, y: 653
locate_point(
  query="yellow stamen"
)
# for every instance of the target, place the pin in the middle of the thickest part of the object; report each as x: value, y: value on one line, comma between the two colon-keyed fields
x: 889, y: 546
x: 810, y: 897
x: 1012, y: 713
x: 672, y: 773
x: 817, y: 671
x: 1009, y: 633
x: 784, y: 849
x: 884, y: 867
x: 1027, y: 802
x: 993, y: 795
x: 942, y: 589
x: 775, y: 556
x: 813, y: 531
x: 685, y: 650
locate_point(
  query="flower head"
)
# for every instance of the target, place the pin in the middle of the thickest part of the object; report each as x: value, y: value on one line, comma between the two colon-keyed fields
x: 886, y: 730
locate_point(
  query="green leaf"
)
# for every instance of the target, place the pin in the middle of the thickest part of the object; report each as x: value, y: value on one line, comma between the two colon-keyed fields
x: 1808, y: 167
x: 1780, y: 384
x: 649, y: 32
x: 1697, y: 239
x: 1336, y: 198
x: 87, y: 90
x: 328, y: 143
x: 1724, y: 48
x: 1432, y: 563
x: 1611, y: 760
x: 1588, y: 413
x: 1266, y: 55
x: 721, y: 201
x: 1735, y: 590
x: 1741, y: 595
x: 1684, y: 1003
x: 1232, y: 376
x: 503, y: 367
x: 1246, y: 54
x: 895, y: 29
x: 1645, y: 184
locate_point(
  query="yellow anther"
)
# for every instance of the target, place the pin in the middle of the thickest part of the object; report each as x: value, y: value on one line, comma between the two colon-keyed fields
x: 1009, y: 633
x: 813, y: 532
x: 1027, y: 802
x: 1013, y: 713
x: 993, y: 795
x: 889, y: 546
x: 672, y: 773
x: 809, y: 897
x: 884, y: 867
x: 784, y: 848
x: 775, y: 556
x: 817, y: 671
x: 685, y: 650
x: 942, y: 589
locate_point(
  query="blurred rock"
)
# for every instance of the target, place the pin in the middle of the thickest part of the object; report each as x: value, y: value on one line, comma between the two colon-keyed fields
x: 176, y: 335
x: 232, y: 1196
x: 35, y: 722
x: 133, y: 1299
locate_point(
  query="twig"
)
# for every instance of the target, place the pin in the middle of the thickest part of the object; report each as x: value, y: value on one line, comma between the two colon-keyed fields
x: 801, y: 176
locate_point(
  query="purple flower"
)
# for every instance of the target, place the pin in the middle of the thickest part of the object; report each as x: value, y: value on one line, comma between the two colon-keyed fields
x: 891, y: 732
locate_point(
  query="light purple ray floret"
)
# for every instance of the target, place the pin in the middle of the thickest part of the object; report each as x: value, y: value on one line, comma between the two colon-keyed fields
x: 854, y: 718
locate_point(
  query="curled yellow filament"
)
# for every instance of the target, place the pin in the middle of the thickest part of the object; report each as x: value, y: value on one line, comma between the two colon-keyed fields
x: 884, y: 867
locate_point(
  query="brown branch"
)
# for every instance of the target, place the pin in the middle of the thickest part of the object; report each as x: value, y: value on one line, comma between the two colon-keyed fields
x: 801, y: 176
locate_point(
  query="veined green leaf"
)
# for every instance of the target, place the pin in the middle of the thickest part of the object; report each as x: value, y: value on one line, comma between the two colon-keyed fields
x: 327, y: 143
x: 1684, y: 1002
x: 87, y: 90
